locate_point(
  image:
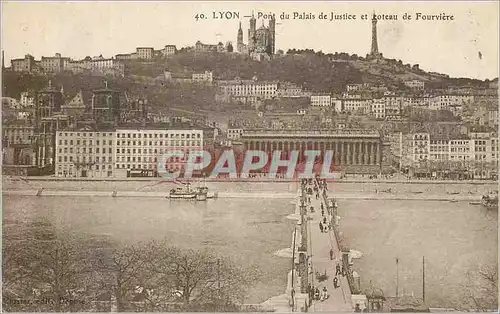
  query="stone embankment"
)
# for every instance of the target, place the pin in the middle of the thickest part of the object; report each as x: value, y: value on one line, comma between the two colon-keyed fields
x: 246, y: 195
x: 359, y: 190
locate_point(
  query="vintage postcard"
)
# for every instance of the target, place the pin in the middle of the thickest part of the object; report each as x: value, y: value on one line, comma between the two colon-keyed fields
x: 250, y: 156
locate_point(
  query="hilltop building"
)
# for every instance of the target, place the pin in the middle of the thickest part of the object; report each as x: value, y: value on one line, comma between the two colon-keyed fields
x: 260, y: 41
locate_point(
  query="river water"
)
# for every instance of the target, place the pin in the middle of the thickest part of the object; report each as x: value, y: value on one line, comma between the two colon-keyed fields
x: 453, y: 237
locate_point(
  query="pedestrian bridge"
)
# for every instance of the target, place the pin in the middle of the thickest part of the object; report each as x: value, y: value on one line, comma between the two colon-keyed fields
x: 322, y: 278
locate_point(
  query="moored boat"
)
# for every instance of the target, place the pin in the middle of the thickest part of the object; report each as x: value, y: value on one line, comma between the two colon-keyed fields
x: 183, y: 192
x: 197, y: 193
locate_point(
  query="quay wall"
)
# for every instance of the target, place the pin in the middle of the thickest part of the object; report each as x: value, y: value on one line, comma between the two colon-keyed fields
x: 370, y: 189
x: 247, y: 195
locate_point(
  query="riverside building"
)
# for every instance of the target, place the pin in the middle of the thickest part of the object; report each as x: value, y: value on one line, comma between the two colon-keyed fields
x: 123, y: 152
x: 354, y: 151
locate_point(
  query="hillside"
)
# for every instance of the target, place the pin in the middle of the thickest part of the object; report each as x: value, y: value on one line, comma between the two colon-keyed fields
x: 317, y: 72
x: 161, y: 97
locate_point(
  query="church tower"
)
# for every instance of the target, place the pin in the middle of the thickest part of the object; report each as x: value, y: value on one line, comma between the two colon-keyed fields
x: 272, y: 34
x: 251, y: 34
x: 374, y: 51
x: 239, y: 40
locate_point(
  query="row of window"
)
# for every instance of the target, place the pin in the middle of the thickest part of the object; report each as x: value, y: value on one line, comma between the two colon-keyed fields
x: 460, y: 149
x: 84, y: 150
x: 160, y: 143
x: 145, y: 151
x: 90, y: 134
x: 84, y: 142
x: 148, y: 159
x: 84, y: 159
x: 158, y: 135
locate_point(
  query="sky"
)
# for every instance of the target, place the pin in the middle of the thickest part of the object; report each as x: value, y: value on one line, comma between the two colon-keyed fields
x: 464, y: 47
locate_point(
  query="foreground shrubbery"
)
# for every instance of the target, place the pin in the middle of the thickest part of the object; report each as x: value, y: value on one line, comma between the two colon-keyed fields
x: 46, y: 270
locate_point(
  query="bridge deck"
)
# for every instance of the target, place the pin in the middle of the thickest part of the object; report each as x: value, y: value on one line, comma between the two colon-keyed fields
x: 319, y: 249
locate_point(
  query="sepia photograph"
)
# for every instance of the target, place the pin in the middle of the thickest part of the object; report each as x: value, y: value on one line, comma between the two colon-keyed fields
x: 250, y: 156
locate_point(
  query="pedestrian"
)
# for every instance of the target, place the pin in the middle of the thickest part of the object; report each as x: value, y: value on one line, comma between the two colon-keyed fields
x: 331, y: 254
x: 316, y: 294
x: 337, y: 270
x: 322, y: 212
x: 335, y: 282
x: 325, y: 294
x: 321, y: 227
x: 324, y: 220
x: 357, y: 308
x: 343, y: 271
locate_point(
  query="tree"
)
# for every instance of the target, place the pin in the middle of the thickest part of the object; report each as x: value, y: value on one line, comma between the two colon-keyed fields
x: 52, y: 267
x: 207, y: 280
x: 482, y: 289
x: 125, y: 268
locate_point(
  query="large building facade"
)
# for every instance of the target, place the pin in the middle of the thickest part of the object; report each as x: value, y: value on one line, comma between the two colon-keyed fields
x: 354, y: 151
x: 122, y: 152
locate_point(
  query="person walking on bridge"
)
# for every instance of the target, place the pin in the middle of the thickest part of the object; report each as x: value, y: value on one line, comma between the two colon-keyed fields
x: 331, y: 254
x: 321, y: 227
x: 337, y: 270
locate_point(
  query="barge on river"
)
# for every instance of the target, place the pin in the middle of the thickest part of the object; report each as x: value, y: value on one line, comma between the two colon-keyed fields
x: 188, y: 193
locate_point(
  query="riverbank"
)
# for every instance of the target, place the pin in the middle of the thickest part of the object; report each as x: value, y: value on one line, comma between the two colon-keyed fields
x: 248, y: 195
x: 253, y: 180
x: 339, y: 189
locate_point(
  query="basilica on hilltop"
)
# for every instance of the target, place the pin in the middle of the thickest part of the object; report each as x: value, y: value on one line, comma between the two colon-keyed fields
x: 261, y: 41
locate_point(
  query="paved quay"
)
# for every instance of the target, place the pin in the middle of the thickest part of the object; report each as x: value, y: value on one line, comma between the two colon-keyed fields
x: 395, y: 180
x: 321, y: 243
x: 246, y: 195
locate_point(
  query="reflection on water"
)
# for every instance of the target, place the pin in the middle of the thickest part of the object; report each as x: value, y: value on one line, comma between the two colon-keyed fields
x: 454, y: 237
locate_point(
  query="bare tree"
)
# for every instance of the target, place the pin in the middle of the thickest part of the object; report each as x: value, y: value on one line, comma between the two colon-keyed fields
x: 123, y: 269
x: 482, y: 289
x: 209, y: 282
x: 49, y: 271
